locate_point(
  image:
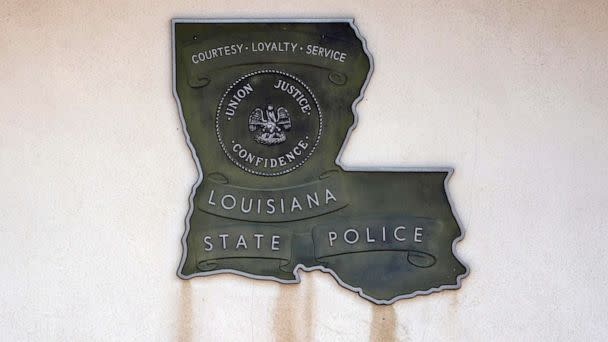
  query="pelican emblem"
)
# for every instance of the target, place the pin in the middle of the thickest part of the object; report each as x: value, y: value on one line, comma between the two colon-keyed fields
x: 269, y: 126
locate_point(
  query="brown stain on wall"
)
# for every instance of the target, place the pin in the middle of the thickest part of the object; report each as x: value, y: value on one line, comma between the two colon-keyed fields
x: 185, y: 325
x: 294, y: 312
x: 309, y: 310
x: 384, y: 324
x: 285, y: 314
x: 452, y: 323
x: 454, y: 302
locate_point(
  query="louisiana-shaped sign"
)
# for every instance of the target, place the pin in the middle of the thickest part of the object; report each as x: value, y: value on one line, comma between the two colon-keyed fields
x: 267, y: 106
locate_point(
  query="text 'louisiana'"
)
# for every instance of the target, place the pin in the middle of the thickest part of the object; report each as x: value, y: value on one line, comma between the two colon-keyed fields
x: 271, y: 206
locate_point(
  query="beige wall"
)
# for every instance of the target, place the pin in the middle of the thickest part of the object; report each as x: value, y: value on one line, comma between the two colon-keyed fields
x: 95, y: 173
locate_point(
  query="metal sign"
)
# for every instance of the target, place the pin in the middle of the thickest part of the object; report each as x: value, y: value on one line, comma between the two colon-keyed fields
x: 267, y: 106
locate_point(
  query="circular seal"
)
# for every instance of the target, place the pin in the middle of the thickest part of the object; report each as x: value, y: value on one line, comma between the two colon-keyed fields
x: 268, y: 122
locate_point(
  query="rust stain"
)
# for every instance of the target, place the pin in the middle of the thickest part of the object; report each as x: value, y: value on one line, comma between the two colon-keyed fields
x: 294, y: 312
x: 184, y: 328
x: 309, y: 310
x: 452, y: 323
x: 455, y: 302
x: 384, y: 323
x: 285, y: 314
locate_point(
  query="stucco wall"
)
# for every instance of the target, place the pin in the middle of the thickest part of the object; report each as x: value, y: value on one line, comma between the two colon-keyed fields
x: 95, y: 173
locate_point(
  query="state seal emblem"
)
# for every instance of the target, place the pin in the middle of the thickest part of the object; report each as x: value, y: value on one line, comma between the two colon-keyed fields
x: 266, y: 107
x: 270, y: 126
x: 282, y: 117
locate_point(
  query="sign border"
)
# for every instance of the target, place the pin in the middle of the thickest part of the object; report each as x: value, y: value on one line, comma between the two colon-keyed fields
x: 298, y: 267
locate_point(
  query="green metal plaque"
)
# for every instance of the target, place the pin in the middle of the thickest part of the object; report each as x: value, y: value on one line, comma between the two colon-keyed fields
x: 267, y: 106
